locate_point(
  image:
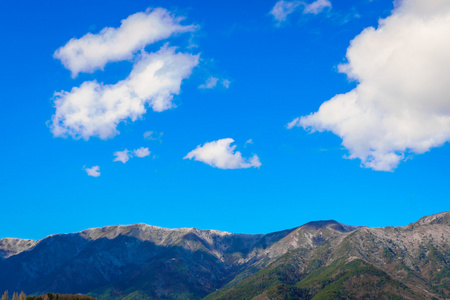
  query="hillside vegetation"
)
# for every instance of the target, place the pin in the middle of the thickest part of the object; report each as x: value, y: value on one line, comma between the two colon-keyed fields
x: 319, y: 260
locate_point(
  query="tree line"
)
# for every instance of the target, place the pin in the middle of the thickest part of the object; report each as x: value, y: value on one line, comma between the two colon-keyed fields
x: 48, y: 296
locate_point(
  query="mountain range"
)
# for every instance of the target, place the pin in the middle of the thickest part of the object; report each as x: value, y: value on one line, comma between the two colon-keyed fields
x: 319, y: 260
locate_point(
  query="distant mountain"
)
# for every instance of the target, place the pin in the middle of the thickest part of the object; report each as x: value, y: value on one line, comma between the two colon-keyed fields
x: 320, y: 260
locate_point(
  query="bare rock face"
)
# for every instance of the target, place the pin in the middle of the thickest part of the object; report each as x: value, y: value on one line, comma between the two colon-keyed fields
x: 187, y: 259
x: 411, y: 262
x: 149, y: 262
x: 11, y: 246
x: 437, y: 219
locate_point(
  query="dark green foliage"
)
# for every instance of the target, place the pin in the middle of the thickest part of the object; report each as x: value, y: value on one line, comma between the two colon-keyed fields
x: 50, y: 296
x: 443, y: 274
x: 325, y: 275
x: 363, y: 281
x: 356, y: 279
x: 284, y: 275
x: 388, y: 255
x: 287, y: 292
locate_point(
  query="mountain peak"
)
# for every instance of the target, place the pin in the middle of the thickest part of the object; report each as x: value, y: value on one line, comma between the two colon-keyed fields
x: 442, y: 218
x: 315, y: 225
x: 321, y: 223
x: 202, y: 261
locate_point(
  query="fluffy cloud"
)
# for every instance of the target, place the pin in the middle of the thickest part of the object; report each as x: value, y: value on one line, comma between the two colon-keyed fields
x: 95, y: 109
x: 125, y: 155
x: 401, y: 104
x: 141, y: 152
x: 284, y: 8
x: 93, y: 171
x: 212, y: 81
x: 221, y: 155
x: 94, y: 51
x: 122, y: 156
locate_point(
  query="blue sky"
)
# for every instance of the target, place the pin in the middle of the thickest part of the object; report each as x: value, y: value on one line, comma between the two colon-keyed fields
x: 367, y: 158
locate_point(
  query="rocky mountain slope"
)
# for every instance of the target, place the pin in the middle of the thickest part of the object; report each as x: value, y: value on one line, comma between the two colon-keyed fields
x: 320, y: 260
x: 156, y: 261
x: 411, y: 262
x: 11, y: 246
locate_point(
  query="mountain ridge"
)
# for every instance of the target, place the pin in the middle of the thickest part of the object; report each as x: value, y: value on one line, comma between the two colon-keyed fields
x: 119, y: 261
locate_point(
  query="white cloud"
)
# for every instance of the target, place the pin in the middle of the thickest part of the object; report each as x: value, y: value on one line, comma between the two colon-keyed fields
x: 316, y: 7
x: 248, y: 142
x: 122, y: 156
x: 153, y: 135
x: 282, y: 8
x: 125, y: 155
x: 401, y: 104
x: 221, y: 155
x: 93, y: 171
x: 141, y: 152
x: 210, y: 83
x: 94, y: 51
x: 226, y: 83
x: 95, y: 109
x: 293, y: 123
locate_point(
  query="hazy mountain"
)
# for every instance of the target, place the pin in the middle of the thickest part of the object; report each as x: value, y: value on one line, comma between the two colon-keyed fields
x: 322, y: 259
